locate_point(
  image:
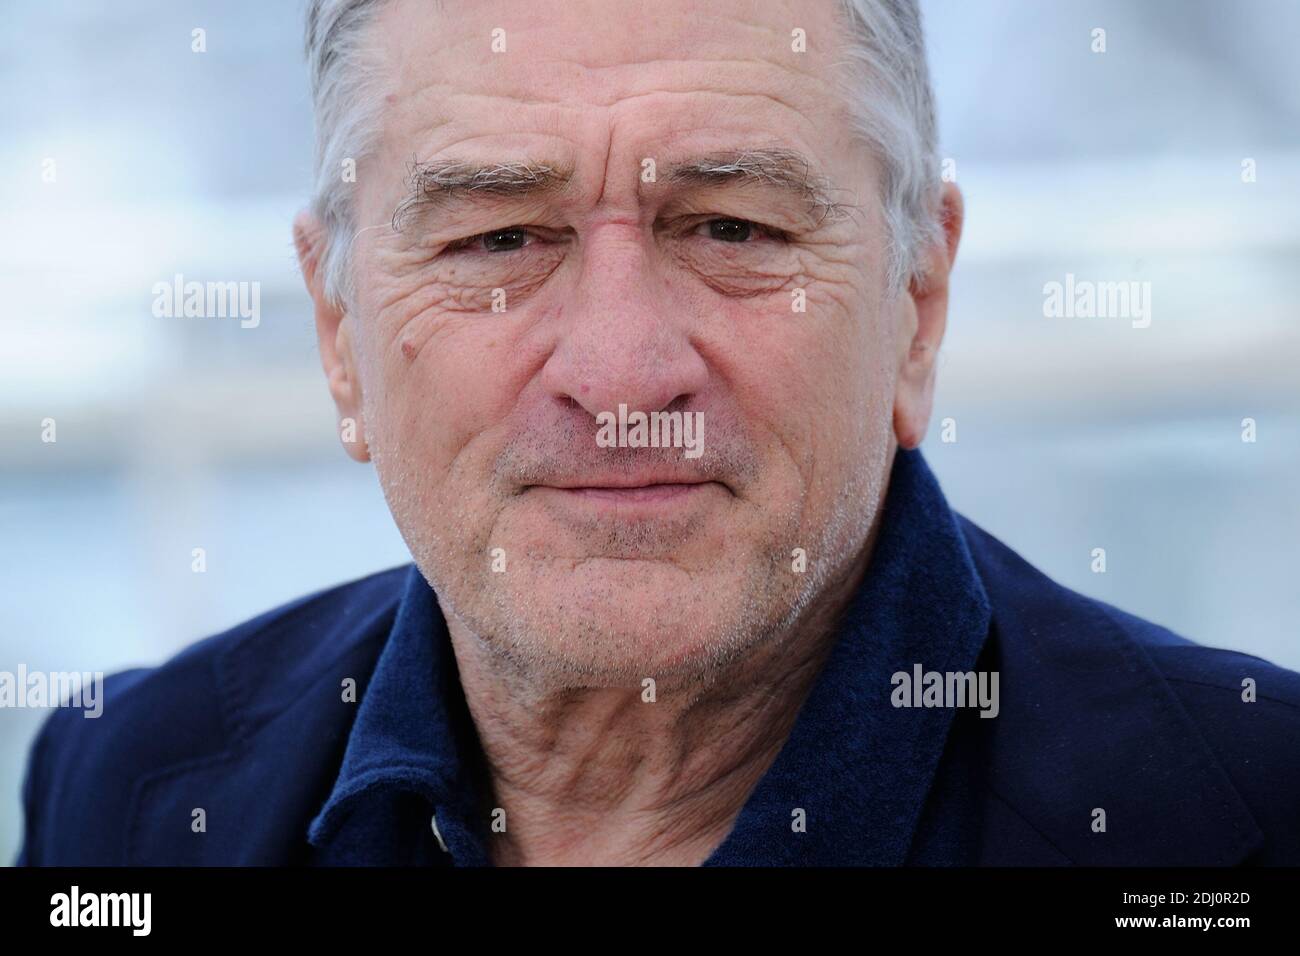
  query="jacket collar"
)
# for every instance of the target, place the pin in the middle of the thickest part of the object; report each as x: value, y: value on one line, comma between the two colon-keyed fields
x: 857, y: 767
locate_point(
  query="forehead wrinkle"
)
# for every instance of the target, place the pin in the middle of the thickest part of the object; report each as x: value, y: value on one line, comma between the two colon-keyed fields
x: 524, y: 90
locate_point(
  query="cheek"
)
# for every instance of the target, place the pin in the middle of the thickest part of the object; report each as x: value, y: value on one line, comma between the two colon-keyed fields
x: 427, y: 393
x: 803, y: 368
x: 814, y: 385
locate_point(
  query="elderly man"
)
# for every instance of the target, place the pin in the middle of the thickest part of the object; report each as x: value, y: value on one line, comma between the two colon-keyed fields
x: 636, y: 311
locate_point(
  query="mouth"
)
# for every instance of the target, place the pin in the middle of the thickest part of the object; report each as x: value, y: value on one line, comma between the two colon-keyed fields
x: 659, y: 491
x: 628, y: 497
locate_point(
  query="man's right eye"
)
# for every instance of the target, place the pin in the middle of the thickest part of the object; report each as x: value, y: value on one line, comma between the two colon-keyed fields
x: 498, y: 240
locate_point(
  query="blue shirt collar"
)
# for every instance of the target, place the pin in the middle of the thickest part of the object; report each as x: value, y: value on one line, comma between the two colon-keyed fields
x: 858, y: 768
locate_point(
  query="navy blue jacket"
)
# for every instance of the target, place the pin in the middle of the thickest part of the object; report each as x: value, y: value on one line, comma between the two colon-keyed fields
x: 1098, y: 710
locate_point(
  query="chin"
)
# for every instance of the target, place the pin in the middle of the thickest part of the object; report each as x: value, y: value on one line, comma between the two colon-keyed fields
x: 607, y: 622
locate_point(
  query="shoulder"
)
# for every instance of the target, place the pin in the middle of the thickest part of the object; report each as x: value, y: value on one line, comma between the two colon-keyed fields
x: 1247, y: 711
x: 195, y: 705
x: 1145, y: 698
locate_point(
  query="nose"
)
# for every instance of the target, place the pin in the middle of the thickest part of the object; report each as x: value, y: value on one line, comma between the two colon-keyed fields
x: 622, y: 341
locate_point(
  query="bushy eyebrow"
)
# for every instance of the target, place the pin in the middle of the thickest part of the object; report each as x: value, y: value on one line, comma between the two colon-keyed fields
x: 440, y: 183
x: 785, y: 169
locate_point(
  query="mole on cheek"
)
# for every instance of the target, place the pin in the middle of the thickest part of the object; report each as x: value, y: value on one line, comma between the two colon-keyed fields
x: 408, y: 349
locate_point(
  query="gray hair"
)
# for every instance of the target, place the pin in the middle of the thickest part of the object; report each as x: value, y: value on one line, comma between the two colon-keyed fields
x: 890, y: 87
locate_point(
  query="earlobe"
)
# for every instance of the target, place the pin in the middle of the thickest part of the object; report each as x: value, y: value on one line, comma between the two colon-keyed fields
x: 333, y: 338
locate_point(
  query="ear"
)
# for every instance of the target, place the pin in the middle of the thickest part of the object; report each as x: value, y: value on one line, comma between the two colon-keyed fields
x: 924, y: 317
x: 333, y: 332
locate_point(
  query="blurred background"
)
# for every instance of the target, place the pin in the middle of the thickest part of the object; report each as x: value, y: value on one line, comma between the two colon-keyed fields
x: 1071, y: 433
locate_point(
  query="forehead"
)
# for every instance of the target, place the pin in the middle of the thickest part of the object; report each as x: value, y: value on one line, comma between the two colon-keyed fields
x: 606, y: 75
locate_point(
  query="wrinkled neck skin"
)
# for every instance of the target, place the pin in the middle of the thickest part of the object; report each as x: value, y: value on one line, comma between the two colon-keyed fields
x: 598, y: 776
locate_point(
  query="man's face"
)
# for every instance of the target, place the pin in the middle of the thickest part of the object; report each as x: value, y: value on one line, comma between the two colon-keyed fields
x: 623, y: 284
